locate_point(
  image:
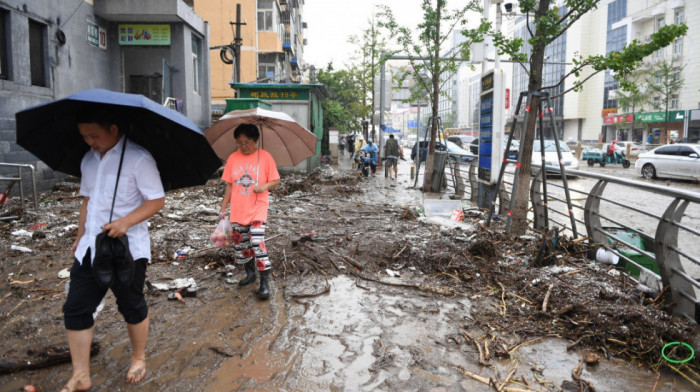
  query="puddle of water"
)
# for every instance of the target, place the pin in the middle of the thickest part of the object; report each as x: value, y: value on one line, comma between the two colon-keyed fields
x: 557, y: 363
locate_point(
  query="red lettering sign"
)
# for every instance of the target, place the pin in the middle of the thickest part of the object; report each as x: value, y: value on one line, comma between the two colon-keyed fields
x: 507, y: 98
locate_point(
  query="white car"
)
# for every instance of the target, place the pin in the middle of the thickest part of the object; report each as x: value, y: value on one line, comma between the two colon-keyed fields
x: 635, y: 148
x: 670, y: 161
x: 551, y: 157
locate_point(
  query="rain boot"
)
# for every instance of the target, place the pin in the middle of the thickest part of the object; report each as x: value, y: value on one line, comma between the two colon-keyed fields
x: 264, y: 290
x: 249, y: 273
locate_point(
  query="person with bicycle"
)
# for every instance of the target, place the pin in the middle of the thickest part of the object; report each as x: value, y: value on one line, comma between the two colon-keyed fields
x: 373, y: 152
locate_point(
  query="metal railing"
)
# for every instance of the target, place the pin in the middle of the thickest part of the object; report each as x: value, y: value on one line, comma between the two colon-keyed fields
x: 19, y: 178
x: 649, y: 227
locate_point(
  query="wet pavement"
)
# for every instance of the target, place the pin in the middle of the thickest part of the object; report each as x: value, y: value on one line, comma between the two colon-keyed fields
x: 355, y: 336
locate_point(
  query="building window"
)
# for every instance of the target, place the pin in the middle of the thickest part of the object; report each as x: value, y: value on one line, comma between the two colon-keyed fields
x: 679, y: 16
x: 37, y: 44
x: 678, y: 46
x: 674, y: 101
x: 266, y: 15
x: 195, y: 64
x: 4, y: 72
x: 659, y: 53
x: 657, y: 103
x: 676, y: 74
x: 266, y: 71
x: 660, y: 22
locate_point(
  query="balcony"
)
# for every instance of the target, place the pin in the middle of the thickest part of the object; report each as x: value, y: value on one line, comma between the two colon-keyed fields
x: 287, y: 43
x: 294, y: 63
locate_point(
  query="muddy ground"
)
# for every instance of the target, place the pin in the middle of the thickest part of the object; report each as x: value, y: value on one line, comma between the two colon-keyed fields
x: 378, y: 298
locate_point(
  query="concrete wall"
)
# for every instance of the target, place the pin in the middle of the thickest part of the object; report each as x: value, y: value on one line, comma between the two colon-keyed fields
x: 76, y: 65
x: 71, y: 67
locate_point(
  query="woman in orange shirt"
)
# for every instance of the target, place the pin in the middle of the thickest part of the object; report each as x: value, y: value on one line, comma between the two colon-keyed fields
x: 250, y: 173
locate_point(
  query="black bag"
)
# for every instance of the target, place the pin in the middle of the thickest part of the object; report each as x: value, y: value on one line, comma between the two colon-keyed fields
x: 112, y: 255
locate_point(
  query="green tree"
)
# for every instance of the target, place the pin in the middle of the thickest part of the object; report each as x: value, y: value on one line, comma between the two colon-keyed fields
x: 633, y: 92
x: 365, y: 63
x: 344, y: 109
x: 664, y: 83
x: 426, y: 64
x: 546, y: 23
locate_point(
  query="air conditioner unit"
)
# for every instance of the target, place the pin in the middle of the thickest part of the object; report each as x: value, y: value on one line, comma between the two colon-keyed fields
x: 647, y: 38
x: 677, y: 56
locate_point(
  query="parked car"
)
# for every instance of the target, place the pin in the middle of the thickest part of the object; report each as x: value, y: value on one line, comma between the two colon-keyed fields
x: 462, y: 141
x: 453, y: 148
x: 670, y: 161
x: 424, y: 149
x: 551, y: 158
x: 512, y: 152
x: 635, y: 148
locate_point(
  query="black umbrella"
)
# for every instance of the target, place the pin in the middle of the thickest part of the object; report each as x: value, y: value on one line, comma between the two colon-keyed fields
x: 182, y: 153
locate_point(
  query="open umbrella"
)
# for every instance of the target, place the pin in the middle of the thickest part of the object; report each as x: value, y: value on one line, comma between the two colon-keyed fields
x: 288, y: 142
x: 183, y: 156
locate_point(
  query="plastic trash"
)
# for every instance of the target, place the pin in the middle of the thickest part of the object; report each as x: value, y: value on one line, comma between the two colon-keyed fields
x: 21, y: 233
x: 64, y: 273
x: 605, y: 256
x: 21, y: 249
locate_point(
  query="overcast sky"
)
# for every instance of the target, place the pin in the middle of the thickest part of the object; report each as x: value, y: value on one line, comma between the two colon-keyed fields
x: 332, y: 22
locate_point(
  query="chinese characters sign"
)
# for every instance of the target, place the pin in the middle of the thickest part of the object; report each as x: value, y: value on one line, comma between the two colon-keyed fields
x: 144, y: 34
x: 96, y: 35
x: 275, y: 94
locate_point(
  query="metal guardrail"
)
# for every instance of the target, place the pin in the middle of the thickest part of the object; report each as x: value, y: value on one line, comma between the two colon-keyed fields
x: 672, y: 244
x: 19, y: 179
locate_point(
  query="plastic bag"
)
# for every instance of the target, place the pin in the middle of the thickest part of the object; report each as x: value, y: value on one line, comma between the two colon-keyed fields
x: 457, y: 215
x: 222, y: 235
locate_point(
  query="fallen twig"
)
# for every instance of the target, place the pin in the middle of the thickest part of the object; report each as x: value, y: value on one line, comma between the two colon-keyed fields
x: 503, y: 297
x: 347, y: 259
x: 487, y: 381
x: 546, y: 298
x: 37, y: 359
x: 396, y: 256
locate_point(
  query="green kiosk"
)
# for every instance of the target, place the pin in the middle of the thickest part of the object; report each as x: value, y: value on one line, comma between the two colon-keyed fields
x: 301, y: 101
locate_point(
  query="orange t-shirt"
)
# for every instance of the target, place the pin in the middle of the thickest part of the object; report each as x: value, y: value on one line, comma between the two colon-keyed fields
x: 245, y: 172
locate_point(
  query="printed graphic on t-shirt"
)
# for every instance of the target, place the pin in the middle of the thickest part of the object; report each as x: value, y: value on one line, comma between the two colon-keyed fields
x: 243, y: 177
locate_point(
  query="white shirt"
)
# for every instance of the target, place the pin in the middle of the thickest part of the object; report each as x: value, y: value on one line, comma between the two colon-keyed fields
x: 139, y: 181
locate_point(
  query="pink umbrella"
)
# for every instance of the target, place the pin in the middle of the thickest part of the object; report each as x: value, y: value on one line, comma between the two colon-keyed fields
x: 288, y: 142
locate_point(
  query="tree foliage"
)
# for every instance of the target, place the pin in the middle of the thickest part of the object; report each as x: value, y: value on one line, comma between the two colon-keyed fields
x: 365, y: 63
x: 344, y: 109
x: 546, y: 22
x: 422, y: 44
x: 665, y: 82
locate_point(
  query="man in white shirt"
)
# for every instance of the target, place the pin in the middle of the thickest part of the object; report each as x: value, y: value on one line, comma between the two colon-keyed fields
x: 139, y: 196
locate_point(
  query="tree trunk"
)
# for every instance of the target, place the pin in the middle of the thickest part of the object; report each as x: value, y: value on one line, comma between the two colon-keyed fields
x: 519, y: 223
x: 665, y: 124
x: 427, y: 179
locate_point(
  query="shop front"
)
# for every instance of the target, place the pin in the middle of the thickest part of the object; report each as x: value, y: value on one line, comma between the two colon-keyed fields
x: 694, y: 127
x: 655, y: 123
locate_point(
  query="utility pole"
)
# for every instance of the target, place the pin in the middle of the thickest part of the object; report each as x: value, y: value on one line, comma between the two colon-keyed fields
x: 237, y: 41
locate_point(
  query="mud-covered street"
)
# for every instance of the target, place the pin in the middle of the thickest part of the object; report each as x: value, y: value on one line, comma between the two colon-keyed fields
x: 378, y: 298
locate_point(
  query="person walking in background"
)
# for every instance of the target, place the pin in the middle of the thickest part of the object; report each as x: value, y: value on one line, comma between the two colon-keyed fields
x: 140, y: 195
x: 392, y: 152
x: 341, y: 145
x: 350, y: 141
x: 373, y: 151
x: 250, y: 173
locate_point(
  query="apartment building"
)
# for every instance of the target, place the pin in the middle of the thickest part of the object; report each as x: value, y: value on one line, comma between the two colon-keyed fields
x: 643, y: 18
x: 272, y: 42
x: 594, y: 112
x: 50, y: 49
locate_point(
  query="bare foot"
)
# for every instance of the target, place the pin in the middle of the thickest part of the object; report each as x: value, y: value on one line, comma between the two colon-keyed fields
x: 136, y: 372
x: 77, y: 383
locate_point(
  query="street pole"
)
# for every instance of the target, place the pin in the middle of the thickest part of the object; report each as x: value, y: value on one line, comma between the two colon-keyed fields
x: 237, y: 43
x: 382, y: 81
